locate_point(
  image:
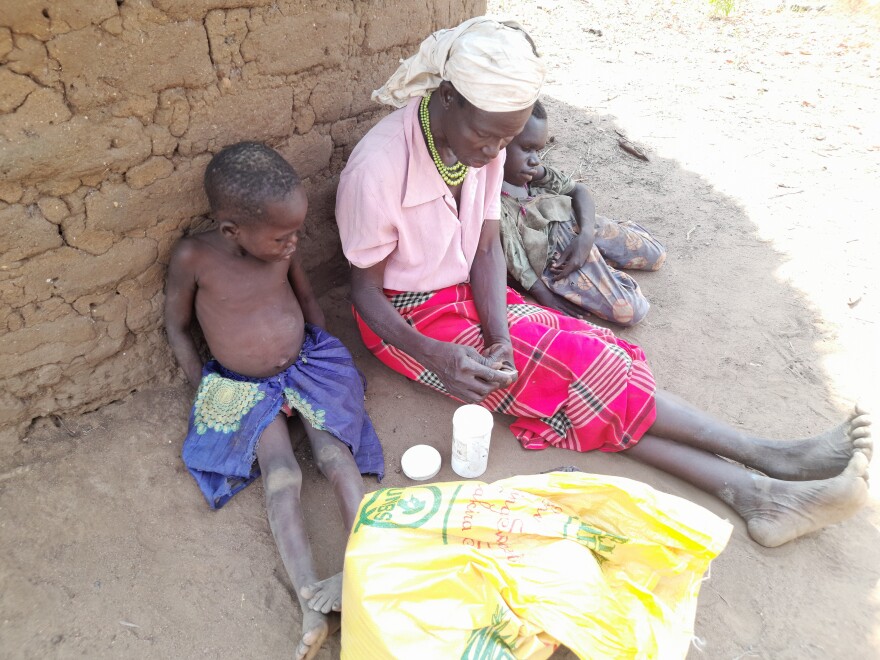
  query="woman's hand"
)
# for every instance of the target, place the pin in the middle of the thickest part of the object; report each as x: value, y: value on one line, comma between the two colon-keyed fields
x: 500, y: 357
x: 469, y: 376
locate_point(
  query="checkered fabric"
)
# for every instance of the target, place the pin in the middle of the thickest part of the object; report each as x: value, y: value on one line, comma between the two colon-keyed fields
x: 407, y: 299
x: 580, y: 387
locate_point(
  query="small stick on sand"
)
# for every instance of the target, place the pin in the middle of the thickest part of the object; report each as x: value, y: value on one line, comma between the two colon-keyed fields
x: 786, y: 193
x: 632, y: 149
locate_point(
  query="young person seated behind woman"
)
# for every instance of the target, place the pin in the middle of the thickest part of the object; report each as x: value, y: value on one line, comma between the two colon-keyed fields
x: 558, y: 249
x: 418, y: 215
x: 272, y: 359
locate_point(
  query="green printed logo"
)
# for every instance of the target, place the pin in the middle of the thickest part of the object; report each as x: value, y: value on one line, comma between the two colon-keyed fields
x: 591, y: 537
x: 490, y: 643
x: 394, y: 508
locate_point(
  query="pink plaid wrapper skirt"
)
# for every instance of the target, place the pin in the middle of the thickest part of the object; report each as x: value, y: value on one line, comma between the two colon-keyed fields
x: 579, y: 387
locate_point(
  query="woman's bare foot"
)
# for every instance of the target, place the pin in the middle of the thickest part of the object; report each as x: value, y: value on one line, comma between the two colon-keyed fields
x: 324, y: 596
x: 315, y: 629
x: 780, y: 511
x: 819, y: 457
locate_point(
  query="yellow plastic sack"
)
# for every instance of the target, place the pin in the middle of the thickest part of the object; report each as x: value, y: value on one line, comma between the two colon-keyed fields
x: 606, y: 566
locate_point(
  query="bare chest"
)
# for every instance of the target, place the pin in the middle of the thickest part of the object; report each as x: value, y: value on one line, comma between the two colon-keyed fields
x: 243, y: 283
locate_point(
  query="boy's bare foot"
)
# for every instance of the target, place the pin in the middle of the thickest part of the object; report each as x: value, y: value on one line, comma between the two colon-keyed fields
x: 315, y: 629
x: 779, y: 511
x: 819, y: 457
x: 324, y: 596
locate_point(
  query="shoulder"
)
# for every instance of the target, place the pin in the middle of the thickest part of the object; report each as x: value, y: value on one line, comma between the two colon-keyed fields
x: 382, y: 147
x: 192, y: 251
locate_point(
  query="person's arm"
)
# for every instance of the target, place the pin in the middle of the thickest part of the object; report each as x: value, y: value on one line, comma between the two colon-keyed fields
x: 302, y: 289
x: 578, y: 250
x: 540, y: 292
x: 180, y: 293
x: 462, y: 370
x: 489, y: 286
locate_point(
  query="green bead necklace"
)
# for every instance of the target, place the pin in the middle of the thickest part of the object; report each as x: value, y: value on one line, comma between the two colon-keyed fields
x: 451, y: 174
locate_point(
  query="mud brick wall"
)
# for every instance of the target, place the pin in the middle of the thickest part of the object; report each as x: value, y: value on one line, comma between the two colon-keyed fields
x: 109, y: 112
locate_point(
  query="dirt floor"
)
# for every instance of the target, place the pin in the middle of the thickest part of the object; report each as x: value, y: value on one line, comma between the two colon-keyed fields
x: 764, y: 149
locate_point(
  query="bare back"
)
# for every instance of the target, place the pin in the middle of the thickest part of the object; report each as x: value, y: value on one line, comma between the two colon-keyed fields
x: 247, y: 308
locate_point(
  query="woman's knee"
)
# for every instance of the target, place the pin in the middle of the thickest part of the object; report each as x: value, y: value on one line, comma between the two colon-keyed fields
x: 631, y: 311
x: 658, y: 257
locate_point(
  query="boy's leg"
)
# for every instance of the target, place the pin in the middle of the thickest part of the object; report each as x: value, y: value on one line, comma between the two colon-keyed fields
x: 626, y: 244
x: 282, y: 481
x: 335, y: 461
x: 819, y: 457
x: 596, y: 287
x: 775, y: 511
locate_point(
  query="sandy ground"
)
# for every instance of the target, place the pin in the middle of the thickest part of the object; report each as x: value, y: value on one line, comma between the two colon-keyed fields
x: 764, y: 151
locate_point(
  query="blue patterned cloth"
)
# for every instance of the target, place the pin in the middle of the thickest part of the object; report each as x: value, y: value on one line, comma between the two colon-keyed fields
x: 231, y: 411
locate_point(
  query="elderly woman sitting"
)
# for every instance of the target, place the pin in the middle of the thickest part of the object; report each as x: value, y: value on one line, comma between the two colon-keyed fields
x: 418, y: 213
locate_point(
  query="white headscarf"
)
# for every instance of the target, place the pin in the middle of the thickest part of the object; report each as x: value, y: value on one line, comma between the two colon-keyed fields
x: 493, y: 65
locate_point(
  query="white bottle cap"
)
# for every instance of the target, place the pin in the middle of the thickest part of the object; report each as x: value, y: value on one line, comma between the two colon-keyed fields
x: 471, y: 420
x: 420, y: 462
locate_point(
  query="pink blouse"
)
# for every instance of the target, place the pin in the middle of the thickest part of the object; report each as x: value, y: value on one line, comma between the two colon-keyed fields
x: 392, y: 203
